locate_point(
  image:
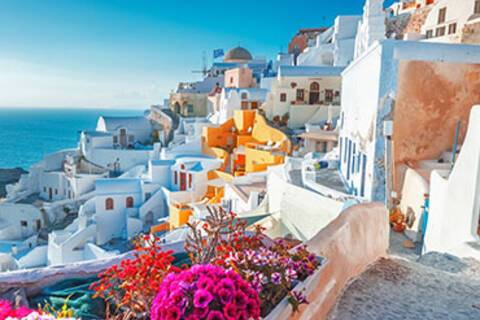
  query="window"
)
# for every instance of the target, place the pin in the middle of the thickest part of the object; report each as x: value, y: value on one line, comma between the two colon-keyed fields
x: 175, y: 175
x: 131, y: 138
x: 190, y: 108
x: 148, y: 195
x: 244, y: 96
x: 283, y: 97
x: 190, y: 178
x: 129, y: 202
x: 440, y: 32
x: 244, y: 105
x: 39, y: 224
x: 24, y: 223
x: 109, y: 204
x: 254, y: 105
x: 442, y: 15
x: 231, y: 79
x: 115, y: 139
x: 300, y: 94
x: 452, y: 29
x: 328, y: 95
x: 429, y: 34
x: 56, y: 191
x: 476, y: 9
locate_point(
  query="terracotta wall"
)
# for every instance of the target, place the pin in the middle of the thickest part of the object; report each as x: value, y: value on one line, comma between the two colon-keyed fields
x: 351, y: 243
x: 239, y: 78
x: 431, y: 98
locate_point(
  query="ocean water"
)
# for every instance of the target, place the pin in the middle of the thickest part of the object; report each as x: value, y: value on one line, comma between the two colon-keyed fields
x: 27, y: 134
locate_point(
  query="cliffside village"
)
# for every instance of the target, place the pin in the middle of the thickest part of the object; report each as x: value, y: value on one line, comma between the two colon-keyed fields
x: 365, y: 127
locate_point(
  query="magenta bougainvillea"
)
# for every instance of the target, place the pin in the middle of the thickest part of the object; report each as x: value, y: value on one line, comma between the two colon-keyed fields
x: 7, y: 311
x: 205, y: 292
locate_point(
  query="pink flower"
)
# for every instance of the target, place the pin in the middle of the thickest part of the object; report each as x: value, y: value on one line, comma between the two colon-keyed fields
x: 241, y: 300
x: 173, y: 313
x: 215, y: 315
x: 21, y: 312
x: 188, y: 295
x: 253, y: 307
x: 201, y: 312
x: 242, y: 315
x: 205, y: 283
x: 178, y: 298
x: 230, y: 311
x: 225, y: 295
x: 5, y: 309
x: 226, y: 284
x: 202, y: 298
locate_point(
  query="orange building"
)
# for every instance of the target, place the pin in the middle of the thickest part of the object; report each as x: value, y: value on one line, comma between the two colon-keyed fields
x: 246, y: 143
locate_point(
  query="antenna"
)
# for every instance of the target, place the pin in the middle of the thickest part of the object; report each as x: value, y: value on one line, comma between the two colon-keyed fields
x: 204, y: 70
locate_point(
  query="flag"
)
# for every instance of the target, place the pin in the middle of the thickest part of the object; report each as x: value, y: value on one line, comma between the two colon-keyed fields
x: 218, y: 53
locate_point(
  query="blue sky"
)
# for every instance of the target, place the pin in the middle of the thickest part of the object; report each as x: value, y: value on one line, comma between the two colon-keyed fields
x: 119, y: 53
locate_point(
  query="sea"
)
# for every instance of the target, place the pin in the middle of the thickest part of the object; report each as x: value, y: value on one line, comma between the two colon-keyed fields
x: 27, y: 134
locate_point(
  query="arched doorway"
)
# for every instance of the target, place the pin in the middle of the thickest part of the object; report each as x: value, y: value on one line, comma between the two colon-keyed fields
x: 177, y: 108
x: 314, y: 93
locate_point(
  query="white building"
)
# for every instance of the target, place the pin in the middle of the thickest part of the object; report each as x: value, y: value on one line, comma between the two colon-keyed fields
x: 334, y: 47
x: 125, y: 206
x: 120, y: 143
x: 371, y: 28
x: 388, y: 92
x: 454, y: 212
x: 231, y: 99
x: 126, y: 131
x: 447, y: 20
x: 304, y: 94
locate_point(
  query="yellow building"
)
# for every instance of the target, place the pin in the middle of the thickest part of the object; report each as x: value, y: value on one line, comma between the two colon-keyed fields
x: 246, y: 143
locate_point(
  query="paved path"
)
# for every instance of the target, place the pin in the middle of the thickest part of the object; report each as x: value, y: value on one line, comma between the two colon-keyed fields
x: 435, y: 287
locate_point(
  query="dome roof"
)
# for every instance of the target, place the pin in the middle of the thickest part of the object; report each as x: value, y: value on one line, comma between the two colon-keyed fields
x: 238, y: 54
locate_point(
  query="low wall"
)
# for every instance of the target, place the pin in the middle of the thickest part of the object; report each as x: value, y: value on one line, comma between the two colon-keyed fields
x: 351, y: 242
x: 34, y: 280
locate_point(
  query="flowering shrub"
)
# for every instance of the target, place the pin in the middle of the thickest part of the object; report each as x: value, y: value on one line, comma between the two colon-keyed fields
x: 273, y: 270
x: 132, y: 285
x: 220, y: 234
x: 205, y: 292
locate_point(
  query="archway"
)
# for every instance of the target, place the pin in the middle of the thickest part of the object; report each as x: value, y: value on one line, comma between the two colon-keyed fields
x: 177, y: 108
x: 314, y: 93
